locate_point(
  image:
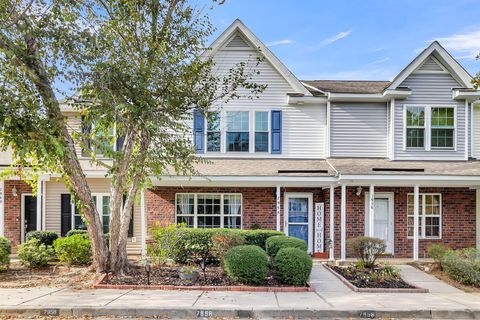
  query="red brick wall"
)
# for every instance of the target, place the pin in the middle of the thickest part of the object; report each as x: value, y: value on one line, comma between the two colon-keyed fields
x: 458, y: 218
x: 12, y: 209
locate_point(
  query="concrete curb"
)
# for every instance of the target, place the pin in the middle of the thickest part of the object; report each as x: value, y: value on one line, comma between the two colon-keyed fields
x: 192, y: 313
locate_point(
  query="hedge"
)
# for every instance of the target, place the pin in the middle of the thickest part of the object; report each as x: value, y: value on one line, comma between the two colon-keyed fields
x: 75, y: 249
x: 275, y: 243
x: 45, y: 237
x: 462, y: 266
x: 5, y: 251
x: 247, y: 264
x: 292, y: 266
x: 34, y: 253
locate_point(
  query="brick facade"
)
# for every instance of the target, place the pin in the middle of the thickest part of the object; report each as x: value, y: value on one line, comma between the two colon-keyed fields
x: 13, y: 209
x: 458, y: 212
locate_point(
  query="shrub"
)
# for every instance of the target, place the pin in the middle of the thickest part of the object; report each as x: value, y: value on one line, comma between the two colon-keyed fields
x: 436, y: 252
x: 167, y: 244
x: 367, y: 249
x: 222, y: 242
x: 5, y: 250
x: 246, y: 264
x: 275, y: 243
x: 75, y: 249
x: 462, y: 266
x: 292, y: 266
x: 76, y: 231
x: 258, y: 237
x: 45, y: 237
x: 34, y: 253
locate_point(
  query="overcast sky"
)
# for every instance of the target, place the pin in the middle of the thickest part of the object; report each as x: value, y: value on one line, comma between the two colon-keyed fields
x: 364, y: 40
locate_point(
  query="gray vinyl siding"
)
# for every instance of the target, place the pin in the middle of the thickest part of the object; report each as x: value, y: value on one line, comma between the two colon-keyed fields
x: 358, y: 130
x: 476, y: 132
x: 433, y: 90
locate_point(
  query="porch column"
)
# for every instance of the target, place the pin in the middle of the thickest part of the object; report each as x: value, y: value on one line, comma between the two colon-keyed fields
x: 371, y: 211
x: 343, y: 222
x: 2, y: 215
x: 277, y: 202
x: 332, y: 224
x: 477, y: 204
x: 415, y: 222
x: 39, y: 203
x: 142, y: 223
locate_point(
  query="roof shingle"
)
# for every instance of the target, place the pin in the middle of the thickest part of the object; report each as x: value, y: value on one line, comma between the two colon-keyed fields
x: 344, y: 86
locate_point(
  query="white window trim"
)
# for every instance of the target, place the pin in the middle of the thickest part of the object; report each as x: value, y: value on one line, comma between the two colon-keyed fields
x: 428, y: 127
x: 195, y: 207
x: 251, y: 132
x: 422, y: 215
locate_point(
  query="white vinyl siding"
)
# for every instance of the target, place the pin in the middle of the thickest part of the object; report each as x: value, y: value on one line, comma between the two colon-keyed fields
x: 430, y: 90
x: 476, y: 132
x: 358, y: 130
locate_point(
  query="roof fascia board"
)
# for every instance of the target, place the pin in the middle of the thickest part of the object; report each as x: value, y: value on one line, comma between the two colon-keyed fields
x: 307, y: 100
x: 238, y: 25
x: 462, y: 94
x: 458, y: 72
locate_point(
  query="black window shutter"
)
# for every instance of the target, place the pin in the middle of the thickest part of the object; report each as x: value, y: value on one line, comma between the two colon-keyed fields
x: 66, y: 213
x: 130, y: 225
x: 120, y: 141
x: 86, y: 129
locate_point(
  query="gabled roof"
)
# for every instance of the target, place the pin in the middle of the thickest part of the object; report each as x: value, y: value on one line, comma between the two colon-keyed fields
x: 443, y: 57
x: 238, y: 27
x: 347, y: 86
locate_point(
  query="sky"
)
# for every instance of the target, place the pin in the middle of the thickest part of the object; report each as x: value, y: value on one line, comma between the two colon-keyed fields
x: 355, y: 39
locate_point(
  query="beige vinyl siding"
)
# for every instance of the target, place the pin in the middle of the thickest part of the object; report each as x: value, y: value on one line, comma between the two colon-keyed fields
x: 53, y: 192
x: 433, y: 89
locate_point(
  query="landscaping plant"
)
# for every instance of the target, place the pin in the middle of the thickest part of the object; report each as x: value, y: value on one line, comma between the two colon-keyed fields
x: 75, y: 249
x: 437, y: 252
x: 34, y: 253
x: 222, y: 242
x: 5, y: 251
x: 246, y: 264
x: 462, y: 266
x: 367, y: 249
x: 75, y: 231
x: 292, y: 266
x: 258, y: 237
x: 45, y: 237
x: 275, y: 243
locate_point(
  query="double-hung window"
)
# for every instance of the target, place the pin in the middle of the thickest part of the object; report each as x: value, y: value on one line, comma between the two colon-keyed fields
x: 238, y: 131
x: 261, y: 131
x: 429, y: 216
x: 415, y: 130
x: 209, y: 210
x: 214, y: 133
x: 443, y: 127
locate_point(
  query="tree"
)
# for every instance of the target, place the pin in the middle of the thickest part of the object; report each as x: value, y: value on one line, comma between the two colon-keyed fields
x: 140, y: 69
x: 476, y: 79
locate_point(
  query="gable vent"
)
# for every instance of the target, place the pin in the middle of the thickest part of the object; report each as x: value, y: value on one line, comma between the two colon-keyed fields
x: 237, y: 42
x: 431, y: 65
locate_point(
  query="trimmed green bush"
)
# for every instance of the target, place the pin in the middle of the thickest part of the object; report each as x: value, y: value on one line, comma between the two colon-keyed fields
x: 462, y: 266
x: 246, y: 264
x: 75, y: 249
x: 34, y: 253
x: 76, y: 231
x: 5, y: 251
x: 258, y: 237
x: 222, y: 242
x: 437, y: 252
x: 275, y: 243
x: 367, y: 249
x: 45, y: 237
x: 292, y: 266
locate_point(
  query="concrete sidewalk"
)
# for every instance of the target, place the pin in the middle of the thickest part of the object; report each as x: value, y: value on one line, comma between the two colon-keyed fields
x: 332, y: 299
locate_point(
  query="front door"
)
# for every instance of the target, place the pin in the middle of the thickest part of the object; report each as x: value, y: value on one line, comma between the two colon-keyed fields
x: 29, y: 214
x: 298, y: 216
x: 383, y: 219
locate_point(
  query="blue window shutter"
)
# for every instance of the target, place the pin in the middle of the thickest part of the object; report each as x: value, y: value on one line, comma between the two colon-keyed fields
x: 276, y: 131
x: 198, y: 130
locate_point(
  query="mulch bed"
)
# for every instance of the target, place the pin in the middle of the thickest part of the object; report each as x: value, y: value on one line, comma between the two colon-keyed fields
x: 168, y: 275
x: 363, y: 280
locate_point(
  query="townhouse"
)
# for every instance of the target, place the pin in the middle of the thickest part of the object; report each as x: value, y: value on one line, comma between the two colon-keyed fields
x: 321, y: 160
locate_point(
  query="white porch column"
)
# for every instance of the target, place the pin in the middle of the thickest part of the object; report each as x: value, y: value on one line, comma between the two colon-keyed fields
x: 39, y: 203
x: 44, y: 205
x: 143, y: 234
x: 2, y: 216
x: 277, y: 194
x: 477, y: 203
x: 371, y: 211
x: 332, y: 224
x: 343, y: 233
x: 415, y: 222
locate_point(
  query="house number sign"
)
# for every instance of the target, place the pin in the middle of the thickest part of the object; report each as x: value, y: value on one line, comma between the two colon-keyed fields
x: 319, y: 226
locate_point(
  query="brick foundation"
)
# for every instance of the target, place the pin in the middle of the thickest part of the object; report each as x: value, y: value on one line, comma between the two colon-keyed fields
x: 13, y: 209
x: 458, y: 212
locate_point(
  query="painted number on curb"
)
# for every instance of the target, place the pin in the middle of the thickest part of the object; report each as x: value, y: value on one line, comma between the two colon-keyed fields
x: 367, y: 314
x: 50, y: 312
x: 204, y: 313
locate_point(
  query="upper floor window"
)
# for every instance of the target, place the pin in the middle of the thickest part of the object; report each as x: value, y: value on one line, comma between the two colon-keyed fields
x: 430, y: 127
x: 238, y: 131
x: 261, y: 131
